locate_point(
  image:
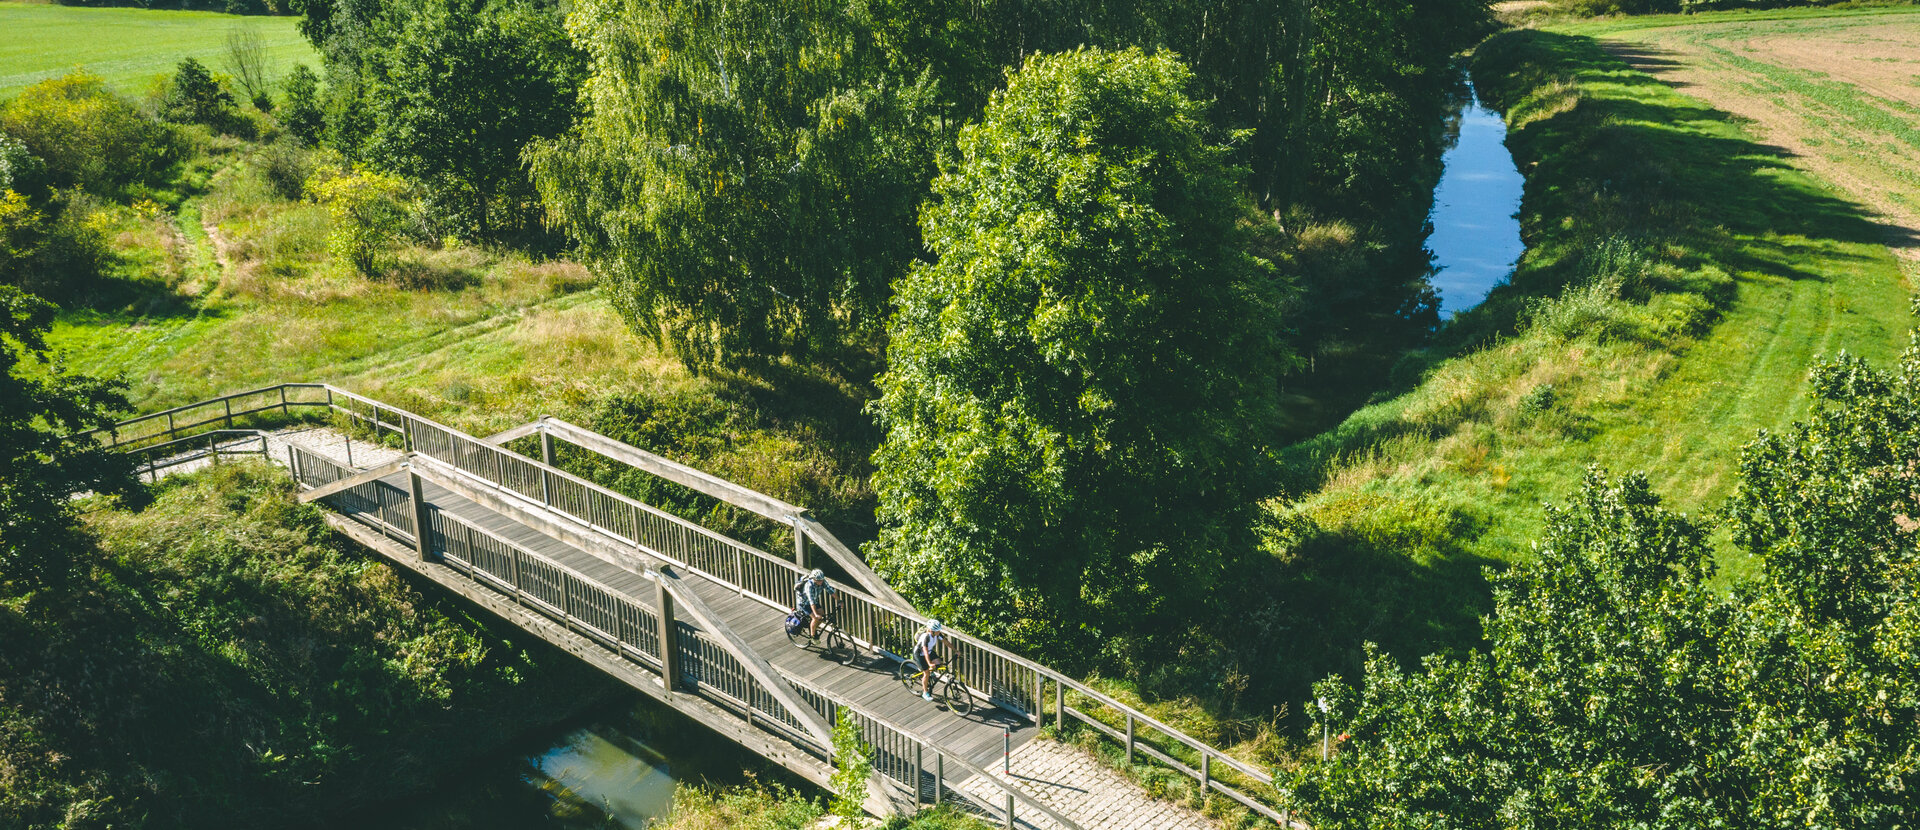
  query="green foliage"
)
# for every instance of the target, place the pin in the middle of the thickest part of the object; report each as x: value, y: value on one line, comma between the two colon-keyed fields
x: 367, y: 215
x: 40, y: 470
x: 54, y: 249
x: 301, y: 115
x: 1620, y: 689
x: 88, y: 137
x: 852, y: 769
x: 20, y: 170
x: 455, y: 92
x: 194, y: 97
x: 223, y: 659
x: 746, y: 181
x: 1077, y: 388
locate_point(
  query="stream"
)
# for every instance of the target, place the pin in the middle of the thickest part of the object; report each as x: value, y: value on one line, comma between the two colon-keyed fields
x: 1476, y: 236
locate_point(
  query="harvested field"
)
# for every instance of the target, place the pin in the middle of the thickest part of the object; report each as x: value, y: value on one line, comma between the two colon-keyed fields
x: 1839, y: 93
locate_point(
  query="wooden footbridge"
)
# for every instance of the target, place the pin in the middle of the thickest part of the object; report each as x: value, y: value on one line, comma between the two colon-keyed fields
x: 678, y: 611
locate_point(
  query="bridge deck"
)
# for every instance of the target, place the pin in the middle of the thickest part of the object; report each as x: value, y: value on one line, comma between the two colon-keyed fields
x: 868, y: 683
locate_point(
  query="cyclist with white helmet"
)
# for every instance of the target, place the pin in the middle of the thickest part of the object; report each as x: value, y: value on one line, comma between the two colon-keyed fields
x: 927, y: 651
x: 810, y: 599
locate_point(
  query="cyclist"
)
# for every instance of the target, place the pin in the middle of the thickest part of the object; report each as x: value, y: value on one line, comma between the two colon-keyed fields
x: 927, y: 649
x: 810, y: 600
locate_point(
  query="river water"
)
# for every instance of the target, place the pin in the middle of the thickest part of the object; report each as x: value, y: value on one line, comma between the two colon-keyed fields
x: 1476, y: 237
x: 615, y: 769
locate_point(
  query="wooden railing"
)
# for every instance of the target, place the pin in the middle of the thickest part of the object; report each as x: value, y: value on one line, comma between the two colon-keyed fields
x: 1010, y: 681
x: 629, y: 630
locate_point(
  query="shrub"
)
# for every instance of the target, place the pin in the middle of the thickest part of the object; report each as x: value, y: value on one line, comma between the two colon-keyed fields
x: 194, y: 97
x: 302, y: 115
x: 57, y: 252
x: 367, y: 212
x: 88, y: 137
x: 20, y: 170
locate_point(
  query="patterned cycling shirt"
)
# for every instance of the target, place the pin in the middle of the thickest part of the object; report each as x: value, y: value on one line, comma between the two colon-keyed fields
x: 809, y: 595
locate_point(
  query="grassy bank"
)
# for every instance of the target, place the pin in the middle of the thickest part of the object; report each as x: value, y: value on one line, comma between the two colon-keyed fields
x: 131, y: 47
x: 226, y: 661
x: 1680, y: 278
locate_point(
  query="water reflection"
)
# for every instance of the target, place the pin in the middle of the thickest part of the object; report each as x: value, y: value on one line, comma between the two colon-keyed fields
x: 1476, y: 237
x: 613, y: 770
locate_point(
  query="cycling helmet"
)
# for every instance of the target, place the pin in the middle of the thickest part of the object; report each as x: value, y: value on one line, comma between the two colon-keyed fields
x: 933, y: 625
x: 817, y: 574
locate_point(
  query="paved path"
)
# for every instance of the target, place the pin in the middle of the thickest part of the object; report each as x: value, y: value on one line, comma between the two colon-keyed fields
x: 1087, y: 792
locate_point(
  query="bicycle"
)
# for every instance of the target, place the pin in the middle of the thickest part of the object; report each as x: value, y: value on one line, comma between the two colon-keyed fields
x: 948, y: 687
x: 833, y: 642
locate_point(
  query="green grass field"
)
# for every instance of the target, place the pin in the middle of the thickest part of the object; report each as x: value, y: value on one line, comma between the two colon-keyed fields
x: 130, y: 47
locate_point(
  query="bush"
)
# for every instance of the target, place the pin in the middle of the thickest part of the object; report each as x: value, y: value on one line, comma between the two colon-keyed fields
x: 302, y: 115
x: 88, y: 137
x: 194, y: 97
x: 367, y: 212
x: 20, y: 170
x: 54, y: 250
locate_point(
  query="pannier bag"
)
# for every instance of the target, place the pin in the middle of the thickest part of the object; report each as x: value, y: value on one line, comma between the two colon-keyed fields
x: 796, y: 623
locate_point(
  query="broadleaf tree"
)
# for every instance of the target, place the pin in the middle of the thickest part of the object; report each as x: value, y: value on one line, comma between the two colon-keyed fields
x: 1077, y: 388
x: 456, y: 92
x: 1621, y: 687
x: 746, y: 180
x: 40, y: 468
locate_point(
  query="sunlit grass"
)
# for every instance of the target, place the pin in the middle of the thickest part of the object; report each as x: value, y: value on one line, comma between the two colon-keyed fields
x: 131, y: 47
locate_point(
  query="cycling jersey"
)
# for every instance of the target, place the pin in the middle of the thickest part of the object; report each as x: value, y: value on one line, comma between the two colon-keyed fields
x: 928, y: 644
x: 809, y: 595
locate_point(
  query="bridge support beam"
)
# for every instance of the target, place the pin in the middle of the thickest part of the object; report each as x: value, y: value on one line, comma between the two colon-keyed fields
x: 800, y: 543
x: 422, y: 530
x: 669, y: 639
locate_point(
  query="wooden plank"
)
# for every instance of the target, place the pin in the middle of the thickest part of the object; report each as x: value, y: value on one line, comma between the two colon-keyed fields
x: 560, y: 529
x: 353, y: 481
x: 516, y: 433
x: 749, y: 659
x: 675, y: 472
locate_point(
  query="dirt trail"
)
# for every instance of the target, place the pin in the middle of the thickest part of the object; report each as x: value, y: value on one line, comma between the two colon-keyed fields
x: 1839, y: 96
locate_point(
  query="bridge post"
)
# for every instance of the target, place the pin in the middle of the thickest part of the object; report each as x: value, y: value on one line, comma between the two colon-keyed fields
x: 799, y: 544
x: 669, y: 648
x: 919, y: 769
x: 421, y: 529
x: 546, y: 446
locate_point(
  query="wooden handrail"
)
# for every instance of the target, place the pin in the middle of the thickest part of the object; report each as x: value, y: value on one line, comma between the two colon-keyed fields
x: 719, y: 488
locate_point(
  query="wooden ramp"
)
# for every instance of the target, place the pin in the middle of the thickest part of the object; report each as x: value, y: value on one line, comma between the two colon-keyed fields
x: 688, y: 615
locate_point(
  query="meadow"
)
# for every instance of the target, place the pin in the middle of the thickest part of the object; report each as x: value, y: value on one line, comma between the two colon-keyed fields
x: 1681, y: 276
x: 131, y: 47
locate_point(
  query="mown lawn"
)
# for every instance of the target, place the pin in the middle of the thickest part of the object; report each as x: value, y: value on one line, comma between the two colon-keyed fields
x: 131, y: 47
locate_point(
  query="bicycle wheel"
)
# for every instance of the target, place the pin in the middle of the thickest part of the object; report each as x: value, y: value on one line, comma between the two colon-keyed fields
x: 908, y: 675
x: 842, y: 648
x: 959, y: 700
x: 797, y: 640
x: 833, y: 644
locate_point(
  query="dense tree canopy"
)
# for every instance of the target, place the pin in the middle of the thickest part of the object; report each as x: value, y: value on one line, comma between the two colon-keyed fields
x: 457, y: 94
x: 746, y: 180
x: 1622, y: 688
x: 40, y: 470
x: 1076, y: 389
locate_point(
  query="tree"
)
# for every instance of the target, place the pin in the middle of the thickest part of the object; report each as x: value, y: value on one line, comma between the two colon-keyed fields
x: 1077, y: 389
x: 456, y: 92
x: 302, y: 115
x: 1621, y: 688
x: 746, y: 181
x: 194, y: 97
x: 364, y: 206
x: 247, y: 57
x: 853, y: 770
x: 40, y: 469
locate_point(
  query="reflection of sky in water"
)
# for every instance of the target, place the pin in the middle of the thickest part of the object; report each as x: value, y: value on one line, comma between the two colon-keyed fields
x: 1476, y: 238
x: 622, y: 777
